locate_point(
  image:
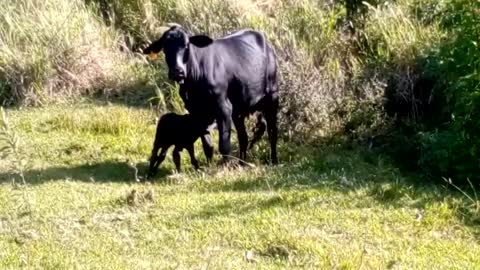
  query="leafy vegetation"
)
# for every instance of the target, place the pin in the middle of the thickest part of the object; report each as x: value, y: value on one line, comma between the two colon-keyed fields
x: 452, y: 147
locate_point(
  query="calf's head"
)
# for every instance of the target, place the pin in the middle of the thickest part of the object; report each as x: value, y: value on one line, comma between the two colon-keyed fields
x: 176, y: 45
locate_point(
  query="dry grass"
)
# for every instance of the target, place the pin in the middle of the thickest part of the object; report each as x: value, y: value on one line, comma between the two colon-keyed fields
x: 397, y: 36
x: 58, y: 50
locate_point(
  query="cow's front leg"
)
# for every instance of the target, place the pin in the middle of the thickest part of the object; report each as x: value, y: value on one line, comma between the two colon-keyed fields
x: 224, y: 123
x: 239, y: 122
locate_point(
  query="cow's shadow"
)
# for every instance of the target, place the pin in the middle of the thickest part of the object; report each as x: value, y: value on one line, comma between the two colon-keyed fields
x: 103, y: 172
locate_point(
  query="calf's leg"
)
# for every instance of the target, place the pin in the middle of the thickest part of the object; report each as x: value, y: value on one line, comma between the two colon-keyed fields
x: 176, y: 157
x: 193, y: 160
x: 156, y: 160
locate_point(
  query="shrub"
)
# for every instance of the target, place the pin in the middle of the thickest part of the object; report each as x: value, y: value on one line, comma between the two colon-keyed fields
x: 453, y: 148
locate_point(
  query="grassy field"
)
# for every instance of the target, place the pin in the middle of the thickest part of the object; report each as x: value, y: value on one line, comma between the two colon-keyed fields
x: 397, y: 77
x: 330, y: 206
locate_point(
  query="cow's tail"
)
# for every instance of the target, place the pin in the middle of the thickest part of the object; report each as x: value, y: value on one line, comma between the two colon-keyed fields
x: 271, y: 71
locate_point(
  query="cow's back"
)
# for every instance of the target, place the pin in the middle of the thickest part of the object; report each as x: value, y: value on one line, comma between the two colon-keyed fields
x: 241, y: 48
x: 245, y: 59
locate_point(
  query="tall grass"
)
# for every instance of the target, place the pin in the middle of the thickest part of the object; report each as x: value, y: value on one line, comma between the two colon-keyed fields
x: 394, y: 35
x: 393, y: 40
x: 59, y: 49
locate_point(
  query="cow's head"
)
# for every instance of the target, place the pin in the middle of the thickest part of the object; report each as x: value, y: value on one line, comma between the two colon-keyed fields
x: 175, y: 43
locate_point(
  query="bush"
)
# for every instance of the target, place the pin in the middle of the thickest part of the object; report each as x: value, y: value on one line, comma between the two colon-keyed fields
x: 453, y: 148
x: 312, y: 70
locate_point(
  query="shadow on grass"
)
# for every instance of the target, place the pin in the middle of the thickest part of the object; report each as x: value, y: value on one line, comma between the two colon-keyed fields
x: 241, y: 206
x: 109, y: 171
x: 341, y: 169
x: 355, y: 171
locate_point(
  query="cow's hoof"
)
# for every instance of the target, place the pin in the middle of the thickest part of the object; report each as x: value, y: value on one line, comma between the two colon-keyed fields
x: 224, y: 161
x: 227, y: 163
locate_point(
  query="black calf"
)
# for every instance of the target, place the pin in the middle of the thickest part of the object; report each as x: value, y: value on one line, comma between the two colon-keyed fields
x: 181, y: 131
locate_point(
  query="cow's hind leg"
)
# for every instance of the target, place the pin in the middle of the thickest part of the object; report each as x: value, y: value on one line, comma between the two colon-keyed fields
x: 270, y: 112
x: 239, y: 122
x: 259, y: 130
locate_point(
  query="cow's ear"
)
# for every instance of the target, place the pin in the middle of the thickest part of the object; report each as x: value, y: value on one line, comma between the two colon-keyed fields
x: 154, y: 48
x: 200, y: 40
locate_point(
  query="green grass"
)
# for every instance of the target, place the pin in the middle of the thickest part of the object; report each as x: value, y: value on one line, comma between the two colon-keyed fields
x: 328, y: 206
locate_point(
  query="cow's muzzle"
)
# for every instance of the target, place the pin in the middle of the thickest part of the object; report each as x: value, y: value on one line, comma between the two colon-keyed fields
x: 178, y: 76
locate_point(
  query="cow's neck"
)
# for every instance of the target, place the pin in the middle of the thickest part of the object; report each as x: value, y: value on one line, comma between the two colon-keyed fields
x: 196, y: 54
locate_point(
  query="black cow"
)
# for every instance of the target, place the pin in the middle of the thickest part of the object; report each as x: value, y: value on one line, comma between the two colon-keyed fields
x: 181, y: 131
x: 225, y: 79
